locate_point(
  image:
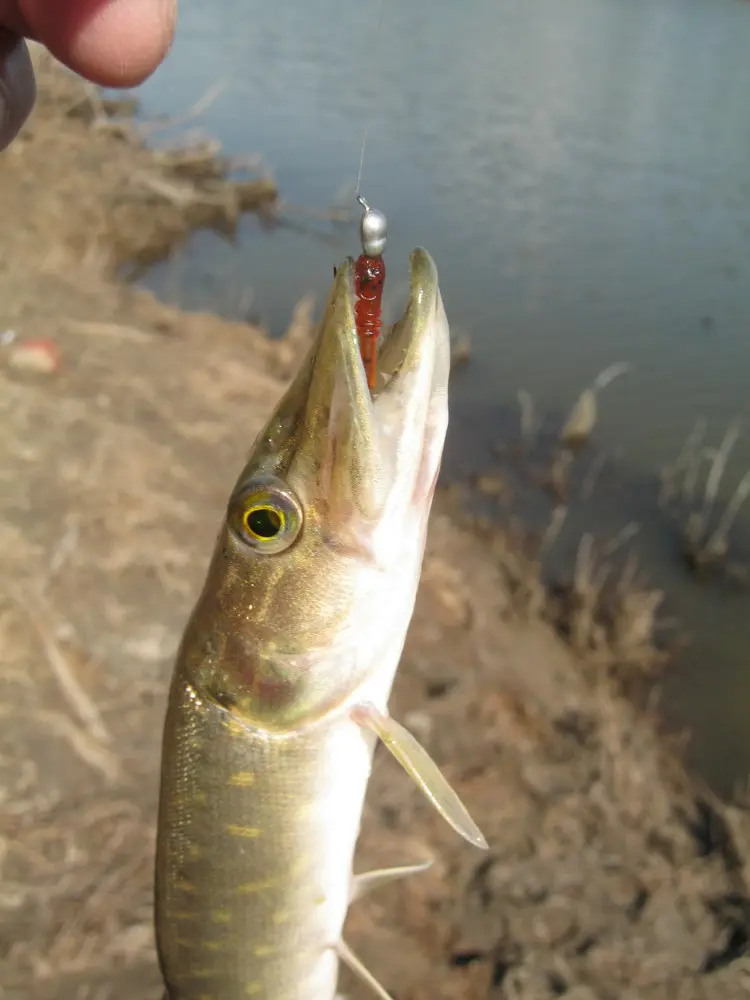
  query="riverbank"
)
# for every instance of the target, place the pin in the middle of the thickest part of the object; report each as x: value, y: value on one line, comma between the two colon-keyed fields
x: 610, y: 874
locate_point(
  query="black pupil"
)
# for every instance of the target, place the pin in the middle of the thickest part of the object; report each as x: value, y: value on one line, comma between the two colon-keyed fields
x: 264, y: 522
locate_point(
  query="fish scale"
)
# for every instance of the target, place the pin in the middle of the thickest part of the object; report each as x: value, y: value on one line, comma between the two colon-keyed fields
x: 272, y: 891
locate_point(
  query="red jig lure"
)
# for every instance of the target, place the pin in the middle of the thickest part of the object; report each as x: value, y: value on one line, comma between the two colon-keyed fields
x: 369, y: 278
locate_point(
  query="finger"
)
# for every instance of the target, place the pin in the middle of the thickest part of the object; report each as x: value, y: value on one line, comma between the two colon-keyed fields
x: 12, y: 19
x: 17, y: 88
x: 113, y: 43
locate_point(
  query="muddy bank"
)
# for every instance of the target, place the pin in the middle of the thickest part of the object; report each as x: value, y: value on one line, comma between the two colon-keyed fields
x: 587, y: 517
x: 610, y: 874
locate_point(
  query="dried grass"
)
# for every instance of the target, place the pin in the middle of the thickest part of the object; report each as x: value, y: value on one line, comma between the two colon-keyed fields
x: 581, y: 421
x: 704, y: 530
x: 528, y: 418
x: 137, y: 204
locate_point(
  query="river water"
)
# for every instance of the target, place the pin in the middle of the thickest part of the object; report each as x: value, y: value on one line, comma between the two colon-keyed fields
x: 580, y: 171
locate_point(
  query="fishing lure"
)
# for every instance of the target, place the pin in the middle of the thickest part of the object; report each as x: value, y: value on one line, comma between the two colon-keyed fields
x: 369, y: 279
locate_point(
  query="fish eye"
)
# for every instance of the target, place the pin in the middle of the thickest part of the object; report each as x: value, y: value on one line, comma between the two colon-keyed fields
x: 266, y: 515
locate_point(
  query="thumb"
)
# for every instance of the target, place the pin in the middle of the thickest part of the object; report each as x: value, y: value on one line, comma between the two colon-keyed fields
x: 113, y: 43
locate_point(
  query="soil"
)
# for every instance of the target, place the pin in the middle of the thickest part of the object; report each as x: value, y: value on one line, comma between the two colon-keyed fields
x: 611, y: 875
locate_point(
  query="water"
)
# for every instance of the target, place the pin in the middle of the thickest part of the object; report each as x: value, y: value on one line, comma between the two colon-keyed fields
x: 579, y: 171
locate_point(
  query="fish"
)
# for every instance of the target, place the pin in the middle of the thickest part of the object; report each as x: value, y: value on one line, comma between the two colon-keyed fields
x: 281, y: 684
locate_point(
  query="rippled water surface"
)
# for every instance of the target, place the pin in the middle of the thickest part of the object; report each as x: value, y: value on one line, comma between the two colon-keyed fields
x: 579, y: 169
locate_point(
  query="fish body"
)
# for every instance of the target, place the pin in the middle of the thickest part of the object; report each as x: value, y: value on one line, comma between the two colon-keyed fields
x: 282, y: 681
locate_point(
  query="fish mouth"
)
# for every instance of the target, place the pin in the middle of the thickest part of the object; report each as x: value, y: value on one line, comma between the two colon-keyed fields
x: 336, y: 362
x: 399, y: 348
x: 334, y: 437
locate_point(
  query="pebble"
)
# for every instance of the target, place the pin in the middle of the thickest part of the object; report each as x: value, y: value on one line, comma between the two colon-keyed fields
x: 38, y: 355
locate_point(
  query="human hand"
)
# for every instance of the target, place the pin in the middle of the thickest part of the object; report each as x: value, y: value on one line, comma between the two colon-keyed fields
x: 113, y: 43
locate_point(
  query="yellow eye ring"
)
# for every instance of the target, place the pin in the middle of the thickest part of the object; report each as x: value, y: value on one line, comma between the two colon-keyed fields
x: 265, y: 515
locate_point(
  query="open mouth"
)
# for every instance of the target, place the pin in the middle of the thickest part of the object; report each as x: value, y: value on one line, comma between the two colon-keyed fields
x: 397, y: 348
x: 338, y: 438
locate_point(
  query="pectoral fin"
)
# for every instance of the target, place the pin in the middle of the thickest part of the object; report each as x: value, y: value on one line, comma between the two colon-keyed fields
x: 364, y: 883
x: 422, y: 768
x: 348, y: 957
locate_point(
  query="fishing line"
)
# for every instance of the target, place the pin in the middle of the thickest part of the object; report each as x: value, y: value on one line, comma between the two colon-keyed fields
x: 376, y: 46
x: 369, y: 267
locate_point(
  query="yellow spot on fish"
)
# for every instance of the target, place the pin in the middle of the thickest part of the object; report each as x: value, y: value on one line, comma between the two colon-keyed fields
x: 234, y: 728
x: 182, y: 915
x: 298, y: 866
x: 280, y: 917
x: 263, y: 950
x: 242, y: 779
x: 214, y: 945
x: 196, y: 799
x: 182, y: 883
x: 253, y: 989
x: 319, y: 900
x: 220, y: 916
x: 194, y: 852
x: 202, y: 973
x: 251, y: 832
x: 185, y: 942
x: 247, y: 888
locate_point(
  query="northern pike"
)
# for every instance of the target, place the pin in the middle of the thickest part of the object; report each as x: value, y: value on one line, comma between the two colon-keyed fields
x: 282, y: 680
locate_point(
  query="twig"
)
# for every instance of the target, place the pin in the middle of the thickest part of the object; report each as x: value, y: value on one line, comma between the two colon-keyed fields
x: 179, y: 195
x: 90, y: 751
x: 584, y: 562
x: 718, y: 467
x: 583, y: 416
x: 592, y: 476
x: 63, y: 550
x: 528, y: 428
x: 332, y: 214
x: 555, y: 526
x: 621, y: 538
x: 626, y: 582
x: 690, y: 456
x: 75, y: 695
x: 610, y: 373
x: 194, y: 111
x: 727, y: 519
x: 117, y: 330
